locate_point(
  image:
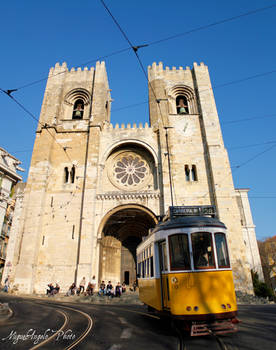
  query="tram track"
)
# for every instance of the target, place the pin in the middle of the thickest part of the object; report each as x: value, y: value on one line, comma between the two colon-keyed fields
x: 73, y: 318
x: 186, y: 342
x: 65, y: 325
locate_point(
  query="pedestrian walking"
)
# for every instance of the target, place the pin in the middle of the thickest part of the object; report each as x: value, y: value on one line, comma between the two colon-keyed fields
x: 7, y: 284
x: 82, y: 285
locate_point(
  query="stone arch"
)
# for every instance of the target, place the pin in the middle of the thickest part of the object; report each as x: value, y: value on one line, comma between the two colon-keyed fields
x: 75, y: 94
x: 182, y: 90
x: 80, y: 95
x: 119, y: 233
x: 134, y: 142
x: 123, y: 162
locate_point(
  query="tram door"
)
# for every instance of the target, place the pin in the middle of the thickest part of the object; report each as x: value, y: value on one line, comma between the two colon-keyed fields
x: 164, y: 274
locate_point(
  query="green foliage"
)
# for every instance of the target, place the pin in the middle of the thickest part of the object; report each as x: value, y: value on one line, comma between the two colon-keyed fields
x: 261, y: 289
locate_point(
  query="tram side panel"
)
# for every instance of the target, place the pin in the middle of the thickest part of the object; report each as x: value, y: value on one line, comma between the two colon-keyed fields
x: 150, y: 292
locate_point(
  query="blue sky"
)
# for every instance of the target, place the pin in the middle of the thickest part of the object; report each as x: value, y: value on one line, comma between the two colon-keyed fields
x: 35, y: 35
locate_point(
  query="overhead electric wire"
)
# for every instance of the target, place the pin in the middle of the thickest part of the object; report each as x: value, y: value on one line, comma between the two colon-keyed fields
x: 252, y: 145
x: 247, y: 119
x: 135, y: 50
x: 243, y: 79
x: 237, y: 167
x: 228, y: 148
x: 44, y: 126
x: 252, y: 12
x: 79, y: 65
x: 152, y: 42
x: 252, y: 158
x: 211, y: 88
x: 129, y: 106
x: 221, y: 85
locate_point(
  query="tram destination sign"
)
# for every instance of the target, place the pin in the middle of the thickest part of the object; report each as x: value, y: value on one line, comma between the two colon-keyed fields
x: 201, y: 210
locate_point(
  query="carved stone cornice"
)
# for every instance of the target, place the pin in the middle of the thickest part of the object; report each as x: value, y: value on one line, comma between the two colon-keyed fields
x: 127, y: 195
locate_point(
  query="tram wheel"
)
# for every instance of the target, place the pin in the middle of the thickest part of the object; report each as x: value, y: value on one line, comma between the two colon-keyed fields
x: 150, y: 309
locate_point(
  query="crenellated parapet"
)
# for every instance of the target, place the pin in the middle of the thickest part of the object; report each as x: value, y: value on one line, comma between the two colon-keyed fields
x: 66, y: 88
x: 157, y: 71
x: 62, y: 68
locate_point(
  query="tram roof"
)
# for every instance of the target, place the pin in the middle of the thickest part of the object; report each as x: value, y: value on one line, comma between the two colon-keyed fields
x: 188, y: 221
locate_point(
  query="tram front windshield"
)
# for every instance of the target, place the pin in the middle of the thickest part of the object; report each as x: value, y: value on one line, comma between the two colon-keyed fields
x: 179, y: 252
x: 202, y: 249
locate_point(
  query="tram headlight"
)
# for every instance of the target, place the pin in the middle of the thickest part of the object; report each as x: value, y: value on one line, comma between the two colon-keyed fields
x: 174, y: 280
x: 223, y: 306
x: 229, y: 306
x: 188, y: 308
x: 196, y: 308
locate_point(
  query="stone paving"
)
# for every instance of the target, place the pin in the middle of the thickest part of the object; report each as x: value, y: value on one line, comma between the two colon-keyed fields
x: 130, y: 298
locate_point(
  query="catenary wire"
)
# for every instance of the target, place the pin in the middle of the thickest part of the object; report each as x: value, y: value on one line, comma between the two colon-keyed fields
x: 135, y: 50
x: 253, y: 158
x: 229, y: 148
x: 214, y: 87
x: 247, y: 119
x: 230, y: 83
x: 79, y: 65
x: 252, y: 12
x: 221, y: 85
x: 36, y: 119
x: 200, y: 28
x: 252, y: 145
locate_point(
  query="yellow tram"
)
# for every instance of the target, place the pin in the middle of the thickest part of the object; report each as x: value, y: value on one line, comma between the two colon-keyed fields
x: 184, y: 270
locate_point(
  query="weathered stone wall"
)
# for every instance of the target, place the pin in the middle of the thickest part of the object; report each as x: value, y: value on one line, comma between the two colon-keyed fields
x: 61, y: 226
x: 196, y: 139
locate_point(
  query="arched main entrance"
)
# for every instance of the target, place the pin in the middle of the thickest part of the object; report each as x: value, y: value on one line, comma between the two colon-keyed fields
x: 122, y: 230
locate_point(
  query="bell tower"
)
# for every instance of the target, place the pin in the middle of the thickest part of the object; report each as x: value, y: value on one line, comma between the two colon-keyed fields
x: 184, y: 116
x: 76, y: 105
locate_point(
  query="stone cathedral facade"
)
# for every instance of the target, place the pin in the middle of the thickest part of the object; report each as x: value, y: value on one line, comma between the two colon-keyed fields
x: 95, y: 189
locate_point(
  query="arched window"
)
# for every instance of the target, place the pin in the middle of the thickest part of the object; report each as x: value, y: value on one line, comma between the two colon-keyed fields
x: 187, y: 172
x: 194, y: 173
x: 182, y: 105
x: 66, y: 175
x: 181, y: 100
x: 78, y: 109
x: 72, y: 174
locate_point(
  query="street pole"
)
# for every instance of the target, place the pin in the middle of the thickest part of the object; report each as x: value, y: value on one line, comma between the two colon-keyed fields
x: 169, y: 161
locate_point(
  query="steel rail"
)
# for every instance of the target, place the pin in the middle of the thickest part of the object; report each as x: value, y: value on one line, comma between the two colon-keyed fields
x: 79, y: 339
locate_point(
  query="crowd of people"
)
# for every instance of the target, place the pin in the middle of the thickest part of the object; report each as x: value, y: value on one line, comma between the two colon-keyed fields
x: 104, y: 289
x: 51, y: 291
x: 111, y: 291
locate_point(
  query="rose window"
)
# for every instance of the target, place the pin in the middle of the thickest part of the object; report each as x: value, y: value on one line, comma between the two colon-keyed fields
x: 130, y: 170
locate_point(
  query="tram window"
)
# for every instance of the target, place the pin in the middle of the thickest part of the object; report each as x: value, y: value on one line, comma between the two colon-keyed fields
x: 143, y: 269
x: 179, y: 252
x: 165, y: 259
x: 139, y: 269
x: 148, y: 267
x: 203, y: 250
x: 163, y: 256
x: 151, y: 267
x: 222, y: 252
